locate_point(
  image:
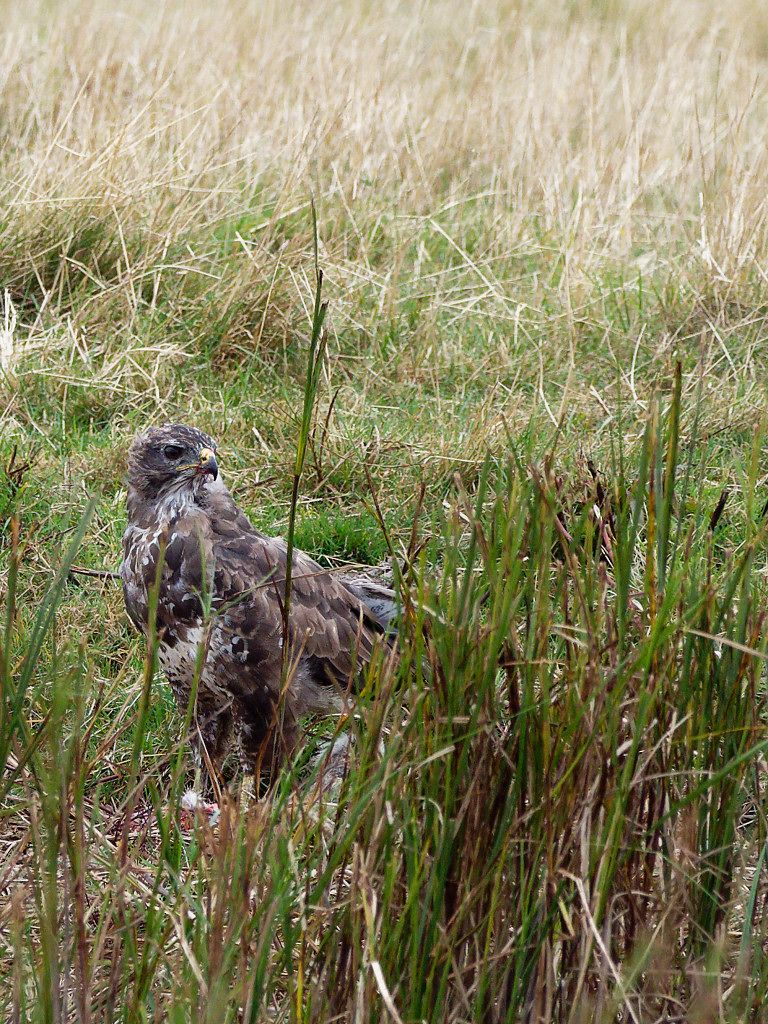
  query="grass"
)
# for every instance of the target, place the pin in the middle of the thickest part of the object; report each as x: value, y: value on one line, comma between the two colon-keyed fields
x: 542, y: 234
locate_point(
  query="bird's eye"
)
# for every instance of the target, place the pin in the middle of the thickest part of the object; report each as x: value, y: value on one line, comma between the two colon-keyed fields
x: 173, y: 451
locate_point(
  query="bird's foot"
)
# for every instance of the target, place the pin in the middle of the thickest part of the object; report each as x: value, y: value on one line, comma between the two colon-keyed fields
x: 194, y: 807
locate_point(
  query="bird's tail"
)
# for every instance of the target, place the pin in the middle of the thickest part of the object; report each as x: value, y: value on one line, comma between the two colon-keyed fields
x: 380, y: 600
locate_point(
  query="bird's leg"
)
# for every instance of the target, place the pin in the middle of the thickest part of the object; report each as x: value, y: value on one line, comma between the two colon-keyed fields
x: 246, y: 789
x: 264, y: 742
x: 210, y: 739
x: 198, y: 781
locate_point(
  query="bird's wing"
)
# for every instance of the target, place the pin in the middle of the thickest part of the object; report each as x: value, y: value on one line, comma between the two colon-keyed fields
x: 328, y: 624
x: 185, y: 549
x: 187, y: 584
x: 242, y: 572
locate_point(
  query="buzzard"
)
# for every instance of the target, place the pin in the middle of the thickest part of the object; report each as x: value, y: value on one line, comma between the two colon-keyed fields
x: 220, y: 607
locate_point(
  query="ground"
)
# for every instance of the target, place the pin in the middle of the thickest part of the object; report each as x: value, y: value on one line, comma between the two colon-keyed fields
x: 542, y: 231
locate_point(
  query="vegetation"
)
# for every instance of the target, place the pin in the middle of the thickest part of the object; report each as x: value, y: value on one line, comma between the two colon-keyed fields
x: 539, y: 390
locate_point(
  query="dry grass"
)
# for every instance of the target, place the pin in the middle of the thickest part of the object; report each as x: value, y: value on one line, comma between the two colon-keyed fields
x: 500, y: 190
x: 528, y: 214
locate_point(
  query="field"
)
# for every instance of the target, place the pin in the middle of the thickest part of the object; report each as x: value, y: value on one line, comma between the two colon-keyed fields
x: 543, y: 236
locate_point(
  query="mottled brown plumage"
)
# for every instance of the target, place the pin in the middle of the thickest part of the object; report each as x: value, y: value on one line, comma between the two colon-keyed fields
x: 220, y: 599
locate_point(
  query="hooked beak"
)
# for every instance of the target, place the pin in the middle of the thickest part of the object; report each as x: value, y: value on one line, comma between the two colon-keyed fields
x: 207, y: 463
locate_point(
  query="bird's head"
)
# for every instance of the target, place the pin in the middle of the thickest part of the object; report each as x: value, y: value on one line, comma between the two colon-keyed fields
x: 169, y: 460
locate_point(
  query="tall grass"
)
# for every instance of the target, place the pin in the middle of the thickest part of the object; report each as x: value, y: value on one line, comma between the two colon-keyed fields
x: 539, y: 386
x: 554, y: 810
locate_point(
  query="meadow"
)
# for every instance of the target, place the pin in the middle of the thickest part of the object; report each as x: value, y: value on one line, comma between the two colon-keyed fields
x: 543, y: 236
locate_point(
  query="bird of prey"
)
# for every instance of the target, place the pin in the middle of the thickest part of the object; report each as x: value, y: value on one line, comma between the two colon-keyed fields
x: 220, y: 587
